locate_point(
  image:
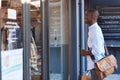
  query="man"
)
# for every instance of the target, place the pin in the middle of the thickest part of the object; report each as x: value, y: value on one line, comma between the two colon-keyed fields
x: 95, y: 42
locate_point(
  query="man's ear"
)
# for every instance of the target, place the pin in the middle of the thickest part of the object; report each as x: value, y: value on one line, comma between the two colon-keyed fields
x: 95, y: 17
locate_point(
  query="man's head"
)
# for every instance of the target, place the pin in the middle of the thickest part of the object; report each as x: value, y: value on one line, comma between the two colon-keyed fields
x: 91, y: 16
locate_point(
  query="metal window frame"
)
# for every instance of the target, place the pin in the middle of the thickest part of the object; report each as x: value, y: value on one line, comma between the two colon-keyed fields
x: 77, y: 39
x: 26, y: 40
x: 45, y: 40
x: 82, y: 36
x: 73, y: 42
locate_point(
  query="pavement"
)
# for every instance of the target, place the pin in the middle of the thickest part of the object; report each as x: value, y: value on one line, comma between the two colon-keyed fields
x: 113, y: 77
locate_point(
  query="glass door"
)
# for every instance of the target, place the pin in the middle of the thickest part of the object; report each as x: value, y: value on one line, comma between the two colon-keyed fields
x: 59, y: 32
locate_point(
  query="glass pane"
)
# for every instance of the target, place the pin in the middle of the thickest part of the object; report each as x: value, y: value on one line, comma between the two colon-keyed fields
x: 11, y: 25
x: 11, y: 42
x: 59, y: 39
x: 36, y: 39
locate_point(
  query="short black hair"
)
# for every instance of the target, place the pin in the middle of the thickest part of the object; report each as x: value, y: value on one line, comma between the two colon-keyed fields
x: 93, y: 11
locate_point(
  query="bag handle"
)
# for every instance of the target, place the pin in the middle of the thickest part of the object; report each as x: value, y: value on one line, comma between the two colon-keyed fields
x: 106, y: 50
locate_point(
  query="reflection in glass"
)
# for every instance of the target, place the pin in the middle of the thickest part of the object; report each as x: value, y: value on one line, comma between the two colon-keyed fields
x: 11, y: 40
x: 11, y: 25
x: 36, y: 39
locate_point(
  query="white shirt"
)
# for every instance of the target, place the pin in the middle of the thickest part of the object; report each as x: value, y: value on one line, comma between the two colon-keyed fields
x: 96, y: 44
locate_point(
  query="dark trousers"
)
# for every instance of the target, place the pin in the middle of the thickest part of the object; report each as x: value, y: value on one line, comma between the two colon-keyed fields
x: 94, y: 75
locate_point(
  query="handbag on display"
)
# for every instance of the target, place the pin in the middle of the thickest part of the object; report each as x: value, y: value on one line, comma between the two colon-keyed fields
x: 106, y: 65
x: 86, y: 76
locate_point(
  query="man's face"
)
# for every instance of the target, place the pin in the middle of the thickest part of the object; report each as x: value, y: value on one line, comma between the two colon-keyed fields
x: 88, y: 18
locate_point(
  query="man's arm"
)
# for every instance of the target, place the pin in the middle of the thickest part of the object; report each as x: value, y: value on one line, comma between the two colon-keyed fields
x: 86, y: 53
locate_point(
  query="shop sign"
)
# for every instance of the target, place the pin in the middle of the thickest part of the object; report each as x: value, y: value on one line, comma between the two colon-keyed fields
x: 12, y: 14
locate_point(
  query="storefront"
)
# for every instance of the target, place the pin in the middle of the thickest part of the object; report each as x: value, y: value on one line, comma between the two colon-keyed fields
x: 39, y: 40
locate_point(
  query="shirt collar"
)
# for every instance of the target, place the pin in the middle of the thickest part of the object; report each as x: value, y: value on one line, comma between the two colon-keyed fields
x: 93, y: 26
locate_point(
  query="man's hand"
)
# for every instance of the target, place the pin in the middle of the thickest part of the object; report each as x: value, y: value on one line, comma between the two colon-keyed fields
x: 83, y: 52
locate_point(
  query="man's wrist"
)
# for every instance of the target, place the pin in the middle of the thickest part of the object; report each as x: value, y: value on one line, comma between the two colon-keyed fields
x: 89, y: 52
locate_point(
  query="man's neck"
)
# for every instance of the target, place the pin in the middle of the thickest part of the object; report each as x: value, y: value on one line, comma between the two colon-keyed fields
x: 92, y: 23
